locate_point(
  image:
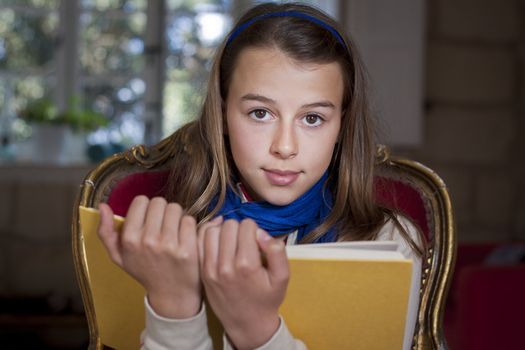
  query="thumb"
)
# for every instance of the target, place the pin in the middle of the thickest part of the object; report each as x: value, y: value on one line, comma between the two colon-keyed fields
x: 276, y: 259
x: 108, y: 235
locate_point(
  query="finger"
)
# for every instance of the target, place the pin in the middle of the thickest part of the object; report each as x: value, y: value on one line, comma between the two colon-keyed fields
x: 275, y: 252
x: 248, y: 254
x: 215, y: 221
x: 211, y: 251
x: 136, y: 214
x: 201, y: 232
x: 107, y: 234
x: 187, y: 235
x: 171, y: 223
x: 154, y: 218
x: 227, y: 247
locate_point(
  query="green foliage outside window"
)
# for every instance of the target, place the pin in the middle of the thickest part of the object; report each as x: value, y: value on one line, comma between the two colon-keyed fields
x: 79, y: 119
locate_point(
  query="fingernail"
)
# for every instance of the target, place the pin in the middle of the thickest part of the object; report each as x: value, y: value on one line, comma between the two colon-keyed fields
x: 277, y: 247
x: 217, y: 219
x: 262, y: 235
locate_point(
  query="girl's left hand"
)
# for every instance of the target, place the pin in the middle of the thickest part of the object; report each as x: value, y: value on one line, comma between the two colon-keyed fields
x: 244, y: 293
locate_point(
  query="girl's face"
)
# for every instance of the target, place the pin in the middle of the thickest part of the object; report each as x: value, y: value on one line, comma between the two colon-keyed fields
x: 283, y: 119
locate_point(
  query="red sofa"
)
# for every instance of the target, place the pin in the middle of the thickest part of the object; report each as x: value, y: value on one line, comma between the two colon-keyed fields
x: 486, y: 305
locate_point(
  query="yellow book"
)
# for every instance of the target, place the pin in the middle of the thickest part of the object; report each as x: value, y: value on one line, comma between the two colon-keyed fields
x: 351, y: 295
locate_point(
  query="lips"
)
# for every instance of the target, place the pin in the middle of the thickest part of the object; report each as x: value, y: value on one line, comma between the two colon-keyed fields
x: 281, y: 177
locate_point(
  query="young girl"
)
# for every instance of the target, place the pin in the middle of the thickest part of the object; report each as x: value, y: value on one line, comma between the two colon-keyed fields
x: 282, y: 153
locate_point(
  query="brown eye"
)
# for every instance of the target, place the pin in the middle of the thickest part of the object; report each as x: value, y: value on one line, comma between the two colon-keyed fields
x: 312, y: 119
x: 259, y: 113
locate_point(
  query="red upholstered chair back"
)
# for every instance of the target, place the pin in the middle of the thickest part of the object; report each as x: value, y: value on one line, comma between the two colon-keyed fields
x: 150, y: 184
x: 400, y: 184
x: 389, y: 192
x: 400, y: 196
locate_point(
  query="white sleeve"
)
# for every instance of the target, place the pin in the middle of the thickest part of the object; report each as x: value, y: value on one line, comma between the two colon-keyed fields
x: 281, y: 340
x: 391, y: 232
x: 163, y: 333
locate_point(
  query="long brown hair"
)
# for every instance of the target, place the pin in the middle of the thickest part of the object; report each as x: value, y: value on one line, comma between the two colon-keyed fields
x: 203, y: 170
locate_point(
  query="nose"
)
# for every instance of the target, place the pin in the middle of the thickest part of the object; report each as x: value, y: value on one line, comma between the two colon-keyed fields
x: 284, y: 143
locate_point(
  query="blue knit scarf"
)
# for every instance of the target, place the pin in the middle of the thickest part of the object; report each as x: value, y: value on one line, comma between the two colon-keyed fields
x: 304, y: 214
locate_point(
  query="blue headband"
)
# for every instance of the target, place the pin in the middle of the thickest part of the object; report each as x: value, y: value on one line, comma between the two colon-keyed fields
x: 317, y: 21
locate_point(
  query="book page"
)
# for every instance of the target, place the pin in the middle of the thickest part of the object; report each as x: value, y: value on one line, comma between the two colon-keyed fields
x: 361, y: 250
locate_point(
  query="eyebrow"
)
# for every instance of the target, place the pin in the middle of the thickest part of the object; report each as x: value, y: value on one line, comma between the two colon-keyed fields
x: 264, y: 99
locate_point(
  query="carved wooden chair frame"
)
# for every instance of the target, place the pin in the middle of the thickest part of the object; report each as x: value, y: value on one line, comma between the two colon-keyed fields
x: 437, y: 265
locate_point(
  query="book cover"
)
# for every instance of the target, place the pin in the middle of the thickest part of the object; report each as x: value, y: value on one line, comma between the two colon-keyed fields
x: 350, y: 295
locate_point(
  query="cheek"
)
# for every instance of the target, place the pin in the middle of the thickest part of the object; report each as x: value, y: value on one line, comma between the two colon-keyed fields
x: 321, y: 156
x: 321, y: 150
x: 245, y: 144
x: 238, y: 151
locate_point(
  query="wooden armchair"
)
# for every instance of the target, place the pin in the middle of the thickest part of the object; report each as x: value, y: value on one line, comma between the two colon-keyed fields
x: 402, y: 184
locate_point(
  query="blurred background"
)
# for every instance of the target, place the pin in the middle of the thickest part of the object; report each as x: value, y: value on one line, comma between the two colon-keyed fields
x: 83, y: 79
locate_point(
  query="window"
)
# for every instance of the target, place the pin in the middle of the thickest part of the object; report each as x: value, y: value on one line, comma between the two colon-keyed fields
x: 28, y: 33
x: 111, y: 65
x: 193, y: 31
x: 104, y: 52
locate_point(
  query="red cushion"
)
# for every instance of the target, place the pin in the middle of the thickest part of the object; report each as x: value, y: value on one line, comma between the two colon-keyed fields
x: 402, y: 197
x: 491, y: 308
x: 150, y: 184
x: 483, y: 297
x: 470, y: 254
x: 390, y: 193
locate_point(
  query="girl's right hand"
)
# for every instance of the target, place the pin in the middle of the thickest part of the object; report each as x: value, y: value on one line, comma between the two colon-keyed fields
x: 158, y: 247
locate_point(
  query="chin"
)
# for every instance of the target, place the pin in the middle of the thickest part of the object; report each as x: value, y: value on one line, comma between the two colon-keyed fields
x: 280, y: 200
x: 280, y: 203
